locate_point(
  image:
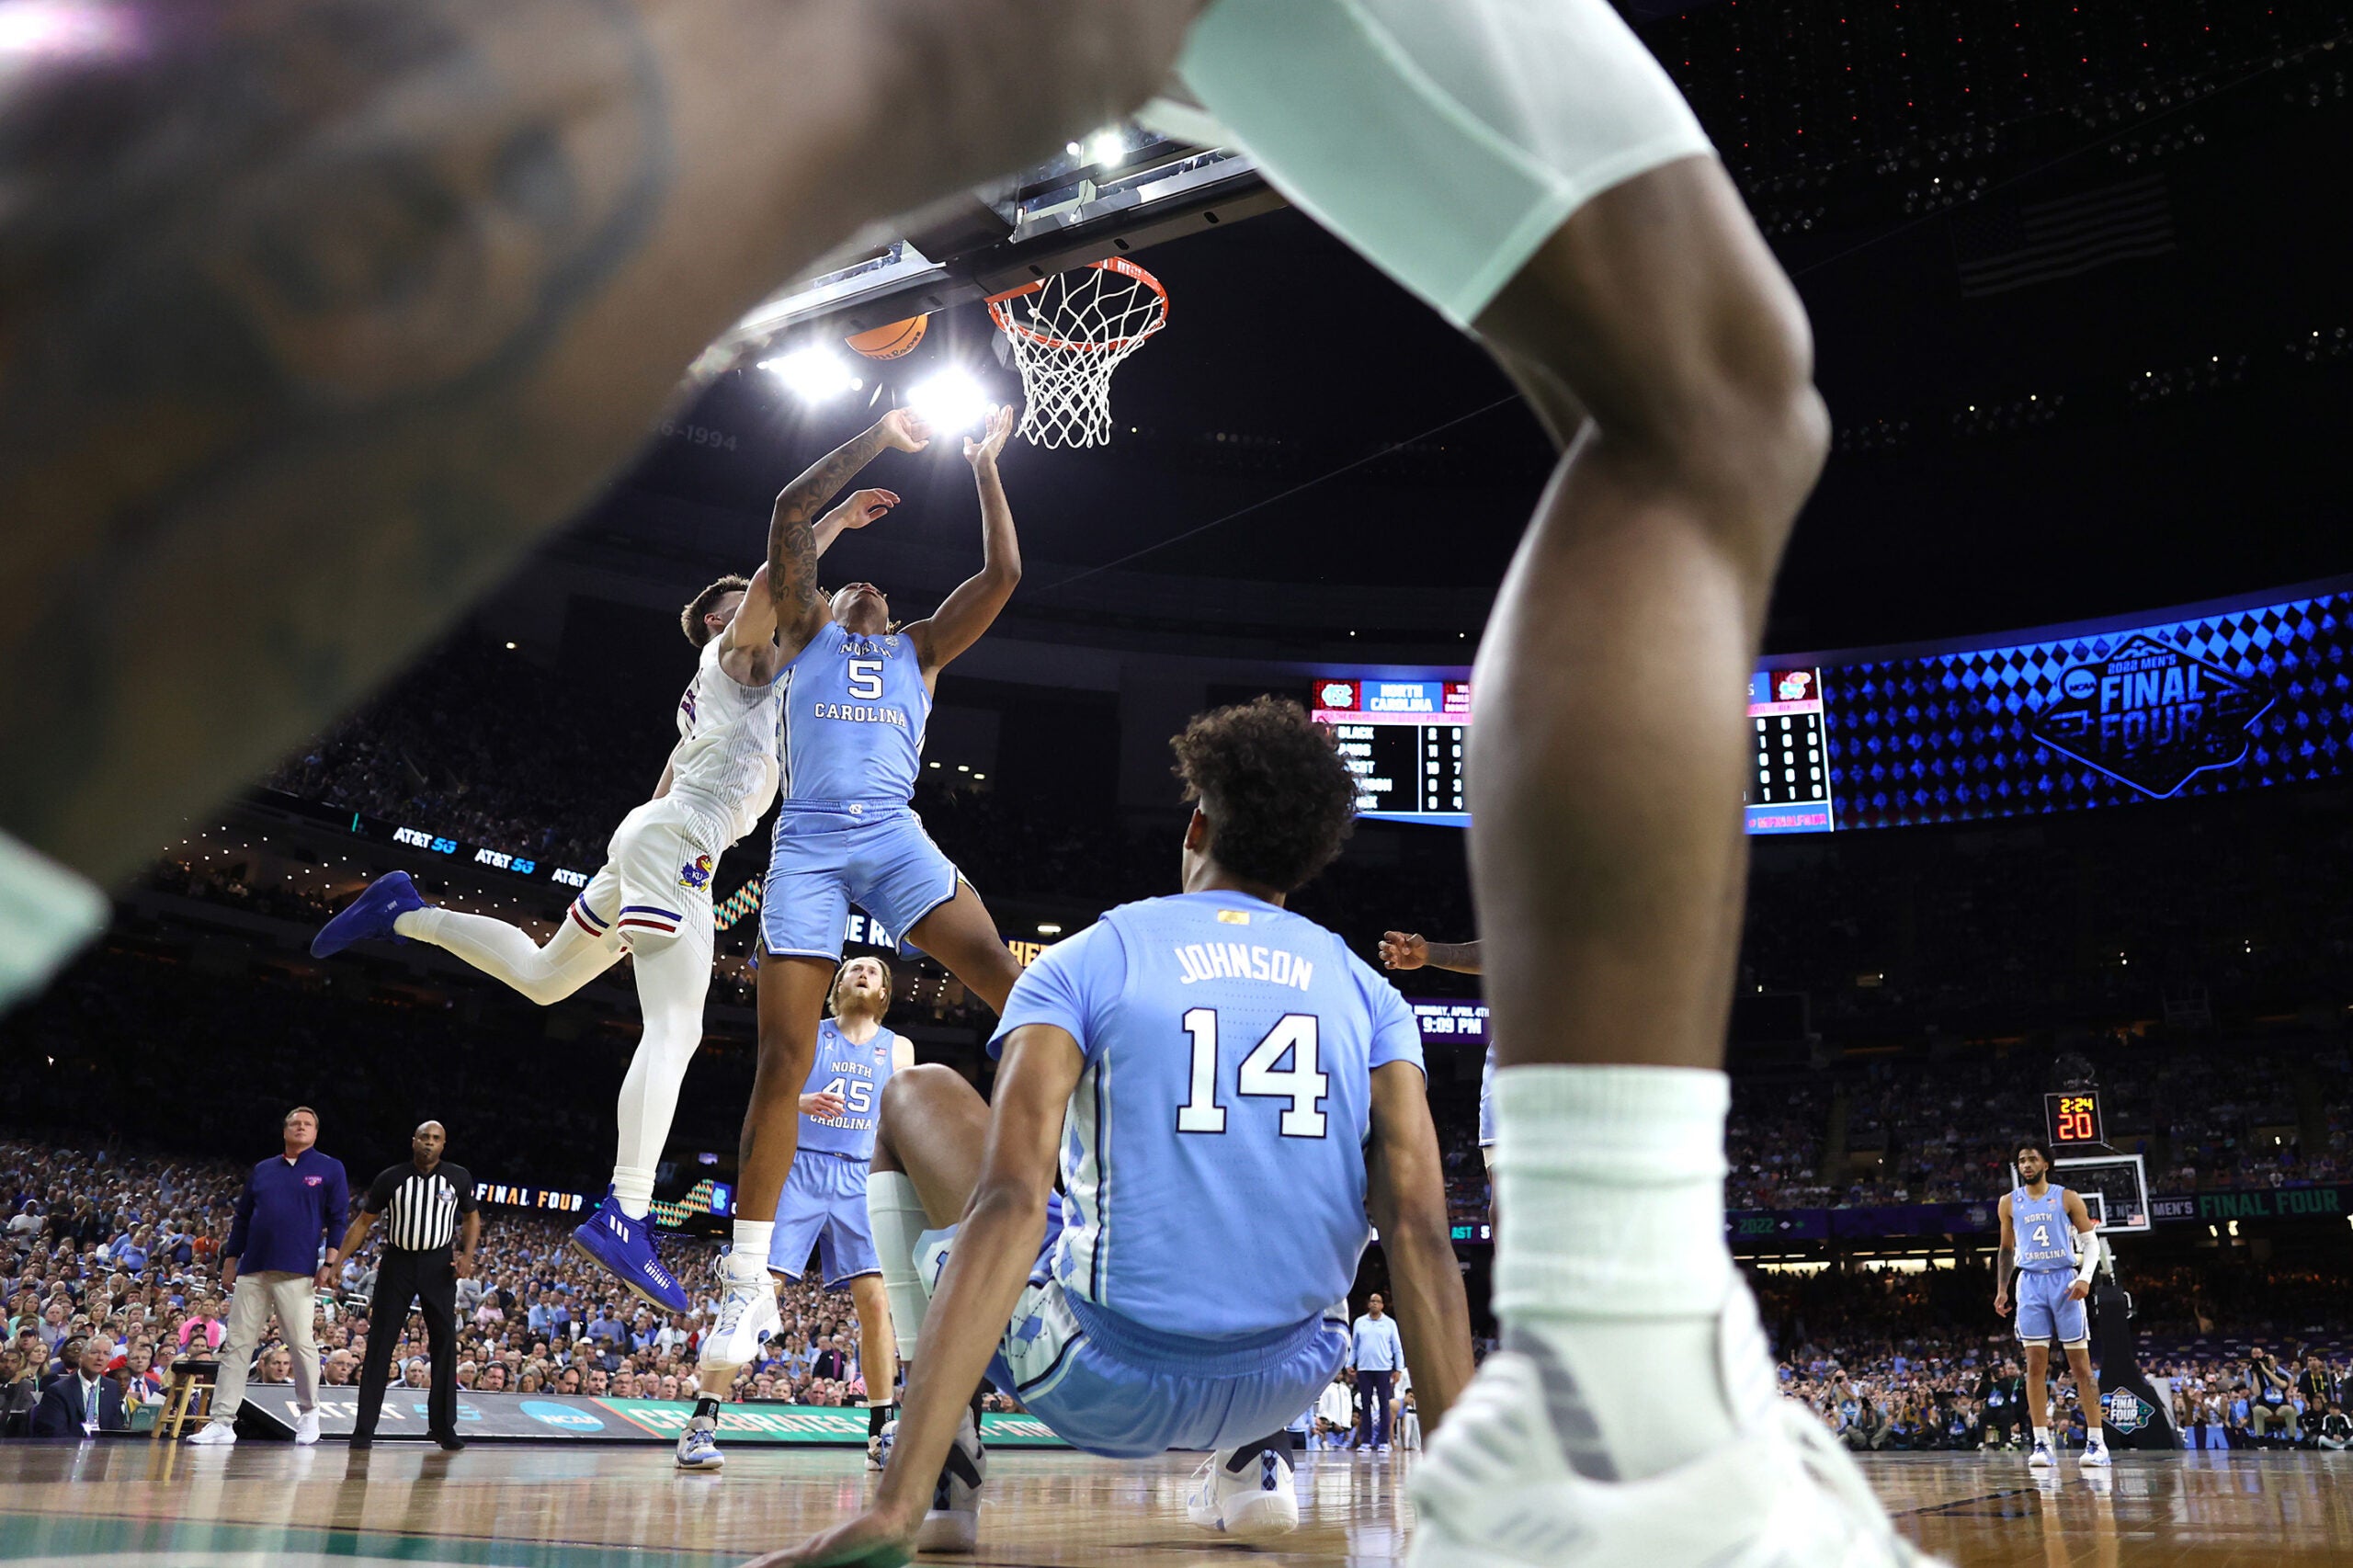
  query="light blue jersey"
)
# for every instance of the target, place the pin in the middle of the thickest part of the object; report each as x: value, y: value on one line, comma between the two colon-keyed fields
x: 853, y: 714
x: 1223, y: 1112
x: 2046, y: 1237
x: 855, y: 1073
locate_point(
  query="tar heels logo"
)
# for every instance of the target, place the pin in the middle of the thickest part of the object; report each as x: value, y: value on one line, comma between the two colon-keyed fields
x: 2151, y: 716
x: 2125, y: 1411
x: 695, y: 873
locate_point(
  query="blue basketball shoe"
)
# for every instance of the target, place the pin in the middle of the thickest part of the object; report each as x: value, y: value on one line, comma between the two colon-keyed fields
x: 624, y: 1247
x: 369, y: 916
x: 699, y: 1445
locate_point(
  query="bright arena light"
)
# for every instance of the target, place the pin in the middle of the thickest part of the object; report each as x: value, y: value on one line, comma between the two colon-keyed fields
x: 952, y: 400
x: 813, y: 375
x: 1108, y: 148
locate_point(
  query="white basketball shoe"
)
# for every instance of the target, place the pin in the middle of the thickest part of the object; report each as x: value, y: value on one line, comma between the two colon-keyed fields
x: 213, y: 1432
x: 1495, y: 1487
x: 1252, y: 1501
x: 2096, y: 1456
x: 747, y: 1315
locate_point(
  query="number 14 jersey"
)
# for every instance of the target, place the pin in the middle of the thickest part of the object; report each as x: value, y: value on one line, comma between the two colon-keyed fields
x: 1213, y: 1159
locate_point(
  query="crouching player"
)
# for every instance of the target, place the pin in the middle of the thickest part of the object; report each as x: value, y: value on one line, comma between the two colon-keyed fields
x: 1228, y: 1091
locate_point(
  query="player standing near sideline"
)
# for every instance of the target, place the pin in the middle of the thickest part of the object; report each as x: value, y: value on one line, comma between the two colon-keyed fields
x: 2042, y: 1225
x: 653, y: 897
x: 857, y: 693
x: 1210, y: 1072
x: 823, y: 1204
x: 1409, y: 949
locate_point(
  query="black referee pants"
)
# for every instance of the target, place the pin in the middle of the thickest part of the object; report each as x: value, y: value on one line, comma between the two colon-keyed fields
x: 430, y: 1279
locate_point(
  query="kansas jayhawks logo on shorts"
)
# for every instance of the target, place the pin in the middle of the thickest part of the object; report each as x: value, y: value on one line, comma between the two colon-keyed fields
x: 696, y: 873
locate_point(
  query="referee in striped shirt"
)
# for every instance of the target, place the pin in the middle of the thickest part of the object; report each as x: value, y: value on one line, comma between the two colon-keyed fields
x: 421, y: 1202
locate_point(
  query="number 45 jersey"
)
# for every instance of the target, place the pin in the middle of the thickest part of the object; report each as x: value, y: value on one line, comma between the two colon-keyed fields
x: 857, y: 1073
x: 1213, y: 1156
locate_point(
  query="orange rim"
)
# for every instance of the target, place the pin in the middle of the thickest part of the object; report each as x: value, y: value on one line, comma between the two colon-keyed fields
x: 1118, y: 264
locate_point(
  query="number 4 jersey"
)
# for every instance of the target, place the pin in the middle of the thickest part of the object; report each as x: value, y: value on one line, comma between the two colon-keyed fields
x: 855, y: 1073
x: 1212, y: 1160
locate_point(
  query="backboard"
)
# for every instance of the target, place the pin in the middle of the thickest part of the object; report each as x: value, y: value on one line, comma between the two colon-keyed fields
x: 1122, y: 191
x: 2114, y: 1188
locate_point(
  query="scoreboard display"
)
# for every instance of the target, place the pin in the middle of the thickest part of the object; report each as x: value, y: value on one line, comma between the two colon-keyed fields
x: 1787, y: 788
x: 1407, y: 742
x: 1405, y: 739
x: 2074, y: 1118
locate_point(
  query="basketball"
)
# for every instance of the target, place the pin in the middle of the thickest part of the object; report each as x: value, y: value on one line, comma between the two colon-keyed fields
x: 890, y: 342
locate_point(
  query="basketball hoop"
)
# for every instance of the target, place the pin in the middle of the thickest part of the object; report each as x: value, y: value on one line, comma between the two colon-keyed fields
x: 1068, y: 334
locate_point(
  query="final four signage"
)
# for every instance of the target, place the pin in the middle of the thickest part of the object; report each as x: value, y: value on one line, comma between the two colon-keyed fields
x: 2151, y: 716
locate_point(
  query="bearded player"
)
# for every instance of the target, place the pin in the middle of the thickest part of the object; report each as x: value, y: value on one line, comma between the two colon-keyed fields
x: 652, y: 898
x: 858, y: 690
x: 2050, y: 1252
x: 825, y: 1198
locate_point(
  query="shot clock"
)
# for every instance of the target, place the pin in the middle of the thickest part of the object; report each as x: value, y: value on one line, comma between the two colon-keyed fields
x: 2074, y: 1119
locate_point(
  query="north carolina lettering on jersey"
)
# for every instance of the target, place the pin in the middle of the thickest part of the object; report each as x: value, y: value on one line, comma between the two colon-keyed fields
x: 859, y: 715
x: 1236, y: 960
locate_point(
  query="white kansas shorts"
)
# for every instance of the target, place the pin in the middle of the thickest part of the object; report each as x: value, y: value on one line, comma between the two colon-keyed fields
x: 655, y: 887
x: 1445, y: 140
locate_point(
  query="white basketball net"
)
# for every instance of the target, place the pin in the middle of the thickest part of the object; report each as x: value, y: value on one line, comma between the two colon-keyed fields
x: 1068, y: 335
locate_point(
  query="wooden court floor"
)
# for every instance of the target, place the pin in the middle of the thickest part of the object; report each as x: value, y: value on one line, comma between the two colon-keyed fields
x: 135, y: 1504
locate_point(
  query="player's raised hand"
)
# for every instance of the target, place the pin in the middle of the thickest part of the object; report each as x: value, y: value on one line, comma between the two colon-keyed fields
x: 865, y: 506
x: 905, y: 429
x: 822, y: 1104
x: 1403, y: 949
x: 982, y: 453
x: 872, y: 1538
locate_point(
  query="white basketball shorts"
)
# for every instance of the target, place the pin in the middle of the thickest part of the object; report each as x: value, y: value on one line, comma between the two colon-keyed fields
x: 1445, y: 140
x: 655, y: 887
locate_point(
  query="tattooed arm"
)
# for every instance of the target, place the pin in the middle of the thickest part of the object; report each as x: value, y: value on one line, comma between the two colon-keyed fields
x: 317, y: 314
x: 792, y: 569
x: 747, y: 649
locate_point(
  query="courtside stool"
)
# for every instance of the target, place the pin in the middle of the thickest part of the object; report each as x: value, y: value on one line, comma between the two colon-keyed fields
x: 188, y: 1397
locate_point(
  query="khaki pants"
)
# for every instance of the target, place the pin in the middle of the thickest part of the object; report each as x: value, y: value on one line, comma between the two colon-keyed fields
x: 255, y: 1297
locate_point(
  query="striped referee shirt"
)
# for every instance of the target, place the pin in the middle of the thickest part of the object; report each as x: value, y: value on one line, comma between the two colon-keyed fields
x: 421, y: 1208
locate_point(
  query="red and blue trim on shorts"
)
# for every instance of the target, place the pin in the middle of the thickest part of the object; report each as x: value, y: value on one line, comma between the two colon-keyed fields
x: 649, y: 917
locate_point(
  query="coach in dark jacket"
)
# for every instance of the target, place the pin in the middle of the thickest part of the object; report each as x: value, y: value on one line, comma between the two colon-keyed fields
x: 431, y: 1227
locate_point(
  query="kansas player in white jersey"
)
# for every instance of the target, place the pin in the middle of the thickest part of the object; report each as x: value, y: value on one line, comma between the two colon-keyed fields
x: 652, y: 898
x: 2050, y: 1252
x: 1227, y: 1092
x: 858, y: 691
x: 823, y: 1204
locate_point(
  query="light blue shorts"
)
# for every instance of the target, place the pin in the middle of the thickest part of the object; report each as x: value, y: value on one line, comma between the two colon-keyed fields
x: 823, y: 1204
x: 829, y: 857
x: 1109, y: 1386
x: 2044, y: 1312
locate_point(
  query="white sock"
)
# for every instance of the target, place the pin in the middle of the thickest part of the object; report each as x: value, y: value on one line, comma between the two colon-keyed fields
x: 673, y: 978
x: 895, y: 1215
x: 2043, y: 1434
x: 1612, y: 1258
x: 750, y: 1253
x: 545, y: 974
x: 633, y: 1189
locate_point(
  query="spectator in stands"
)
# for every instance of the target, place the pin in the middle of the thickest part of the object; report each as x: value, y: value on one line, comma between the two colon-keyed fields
x: 19, y: 1393
x: 2271, y: 1418
x: 76, y: 1402
x: 2331, y: 1430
